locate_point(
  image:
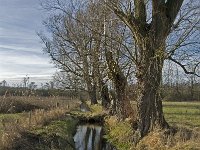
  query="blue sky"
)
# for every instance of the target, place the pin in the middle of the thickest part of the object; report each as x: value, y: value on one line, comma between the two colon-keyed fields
x: 20, y: 48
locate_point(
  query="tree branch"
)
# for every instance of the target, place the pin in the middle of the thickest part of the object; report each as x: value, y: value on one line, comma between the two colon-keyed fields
x: 184, y: 68
x: 128, y: 19
x: 140, y: 11
x: 173, y: 7
x: 182, y: 39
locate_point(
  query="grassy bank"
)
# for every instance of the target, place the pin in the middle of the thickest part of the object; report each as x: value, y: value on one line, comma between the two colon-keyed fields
x: 56, y: 135
x: 16, y: 128
x: 184, y: 116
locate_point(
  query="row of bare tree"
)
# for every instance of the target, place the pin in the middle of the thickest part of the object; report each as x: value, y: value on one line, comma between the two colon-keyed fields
x: 99, y: 44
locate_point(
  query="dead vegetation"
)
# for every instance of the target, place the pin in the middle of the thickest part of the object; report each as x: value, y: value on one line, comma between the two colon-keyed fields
x: 183, y: 139
x: 29, y: 113
x: 17, y: 104
x: 123, y: 137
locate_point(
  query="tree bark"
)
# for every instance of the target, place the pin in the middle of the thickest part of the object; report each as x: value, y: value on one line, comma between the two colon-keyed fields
x: 91, y: 88
x: 123, y: 107
x: 92, y: 94
x: 149, y: 75
x: 105, y: 96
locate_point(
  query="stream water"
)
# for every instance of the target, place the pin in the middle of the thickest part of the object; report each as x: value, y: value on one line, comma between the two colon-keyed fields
x: 90, y: 137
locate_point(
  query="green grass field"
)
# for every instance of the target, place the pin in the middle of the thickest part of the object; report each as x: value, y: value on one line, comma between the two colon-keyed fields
x: 186, y: 114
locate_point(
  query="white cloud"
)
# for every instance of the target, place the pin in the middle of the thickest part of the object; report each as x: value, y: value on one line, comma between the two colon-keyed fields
x: 17, y: 48
x: 20, y: 47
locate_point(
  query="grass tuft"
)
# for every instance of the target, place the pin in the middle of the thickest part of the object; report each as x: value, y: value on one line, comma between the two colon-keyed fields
x: 119, y: 134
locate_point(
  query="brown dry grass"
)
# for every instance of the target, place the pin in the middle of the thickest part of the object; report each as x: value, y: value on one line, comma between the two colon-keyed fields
x: 122, y: 135
x: 17, y: 104
x: 13, y: 125
x: 183, y: 139
x: 185, y: 135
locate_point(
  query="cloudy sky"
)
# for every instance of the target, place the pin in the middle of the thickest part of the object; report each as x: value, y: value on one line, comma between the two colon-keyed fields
x: 20, y: 48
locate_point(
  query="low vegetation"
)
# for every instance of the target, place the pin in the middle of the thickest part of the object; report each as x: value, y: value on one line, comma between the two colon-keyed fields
x: 95, y: 115
x: 56, y: 135
x: 119, y: 134
x: 183, y: 117
x: 17, y: 126
x: 51, y: 124
x: 18, y: 104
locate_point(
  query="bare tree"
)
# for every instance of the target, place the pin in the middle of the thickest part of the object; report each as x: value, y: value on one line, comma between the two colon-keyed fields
x: 75, y: 46
x: 150, y: 28
x: 4, y: 83
x: 85, y: 34
x: 25, y: 81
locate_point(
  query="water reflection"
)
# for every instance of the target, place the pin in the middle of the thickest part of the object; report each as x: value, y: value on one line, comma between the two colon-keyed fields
x: 89, y: 137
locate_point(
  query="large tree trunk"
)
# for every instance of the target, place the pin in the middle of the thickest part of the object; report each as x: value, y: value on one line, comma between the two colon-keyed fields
x: 92, y: 94
x: 149, y: 106
x: 149, y: 75
x: 91, y: 86
x: 123, y: 107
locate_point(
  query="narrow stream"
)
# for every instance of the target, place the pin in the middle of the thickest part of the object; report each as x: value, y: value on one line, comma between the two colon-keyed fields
x: 90, y: 137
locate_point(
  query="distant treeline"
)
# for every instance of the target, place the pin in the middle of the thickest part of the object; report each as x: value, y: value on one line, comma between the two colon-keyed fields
x: 176, y: 92
x: 181, y: 92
